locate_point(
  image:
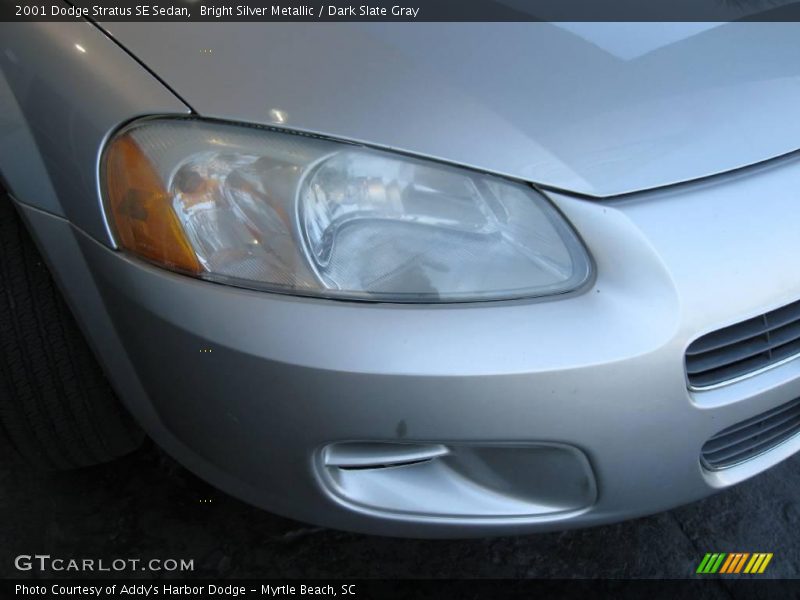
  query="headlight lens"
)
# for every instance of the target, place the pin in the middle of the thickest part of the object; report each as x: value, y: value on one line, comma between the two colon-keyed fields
x: 297, y: 214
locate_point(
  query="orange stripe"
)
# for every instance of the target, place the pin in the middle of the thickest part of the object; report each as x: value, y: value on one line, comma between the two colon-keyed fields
x: 728, y: 561
x: 741, y: 563
x: 735, y: 563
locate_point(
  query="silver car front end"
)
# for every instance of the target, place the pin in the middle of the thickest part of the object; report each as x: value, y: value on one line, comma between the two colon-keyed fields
x: 442, y: 420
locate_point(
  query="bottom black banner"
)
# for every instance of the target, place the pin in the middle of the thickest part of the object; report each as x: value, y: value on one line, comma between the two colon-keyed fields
x: 428, y: 588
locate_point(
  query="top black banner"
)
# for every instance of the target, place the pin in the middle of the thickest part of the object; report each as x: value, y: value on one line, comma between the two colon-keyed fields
x: 402, y: 10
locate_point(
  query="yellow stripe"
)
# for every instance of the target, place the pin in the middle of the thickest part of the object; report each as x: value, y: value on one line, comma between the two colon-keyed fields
x: 765, y: 563
x: 727, y: 562
x: 751, y: 564
x: 740, y: 564
x: 758, y: 562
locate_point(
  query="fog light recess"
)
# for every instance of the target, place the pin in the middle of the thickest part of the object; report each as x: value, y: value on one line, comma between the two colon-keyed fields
x: 459, y: 480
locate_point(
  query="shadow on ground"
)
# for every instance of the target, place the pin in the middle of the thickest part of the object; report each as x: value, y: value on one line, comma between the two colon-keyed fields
x: 147, y: 506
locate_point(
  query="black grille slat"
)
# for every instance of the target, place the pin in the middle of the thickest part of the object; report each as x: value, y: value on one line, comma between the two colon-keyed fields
x: 726, y: 356
x: 746, y: 435
x: 752, y: 437
x: 774, y: 413
x: 784, y: 335
x: 786, y: 351
x: 744, y: 449
x: 744, y: 348
x: 783, y: 316
x: 729, y: 372
x: 728, y: 336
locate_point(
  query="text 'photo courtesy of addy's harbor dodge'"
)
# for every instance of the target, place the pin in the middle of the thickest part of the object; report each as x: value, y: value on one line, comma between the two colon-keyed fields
x: 150, y: 590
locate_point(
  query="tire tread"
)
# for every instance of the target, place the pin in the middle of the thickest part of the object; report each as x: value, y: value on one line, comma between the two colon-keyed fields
x: 57, y: 409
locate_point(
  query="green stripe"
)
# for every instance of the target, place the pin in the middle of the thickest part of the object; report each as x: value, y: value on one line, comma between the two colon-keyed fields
x: 711, y: 563
x: 718, y: 564
x: 701, y: 568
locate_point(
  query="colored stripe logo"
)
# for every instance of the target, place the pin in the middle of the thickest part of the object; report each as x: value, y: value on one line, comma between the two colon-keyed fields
x: 734, y: 562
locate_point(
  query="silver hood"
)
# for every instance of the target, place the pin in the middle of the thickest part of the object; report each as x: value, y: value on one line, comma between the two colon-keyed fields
x: 596, y: 108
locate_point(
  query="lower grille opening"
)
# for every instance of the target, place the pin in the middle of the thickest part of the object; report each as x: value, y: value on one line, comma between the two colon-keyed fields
x: 752, y: 437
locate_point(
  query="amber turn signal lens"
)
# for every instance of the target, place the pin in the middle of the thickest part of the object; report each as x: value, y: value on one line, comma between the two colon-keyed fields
x: 296, y: 214
x: 142, y: 216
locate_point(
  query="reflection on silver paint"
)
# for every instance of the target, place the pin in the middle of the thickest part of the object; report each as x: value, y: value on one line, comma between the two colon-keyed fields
x: 74, y: 87
x: 279, y: 116
x: 21, y: 166
x: 529, y: 100
x: 627, y: 41
x: 601, y: 371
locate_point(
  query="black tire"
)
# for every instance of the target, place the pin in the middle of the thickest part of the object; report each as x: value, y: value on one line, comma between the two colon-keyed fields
x: 57, y: 409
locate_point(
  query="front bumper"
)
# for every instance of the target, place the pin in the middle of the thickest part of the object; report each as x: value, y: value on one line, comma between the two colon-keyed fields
x: 567, y: 412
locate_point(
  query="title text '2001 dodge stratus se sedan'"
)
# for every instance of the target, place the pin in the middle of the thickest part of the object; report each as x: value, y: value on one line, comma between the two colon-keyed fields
x: 439, y: 279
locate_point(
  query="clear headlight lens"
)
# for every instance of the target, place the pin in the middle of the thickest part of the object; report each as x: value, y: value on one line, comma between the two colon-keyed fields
x: 296, y: 214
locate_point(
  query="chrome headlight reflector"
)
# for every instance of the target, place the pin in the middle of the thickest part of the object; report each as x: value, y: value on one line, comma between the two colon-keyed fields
x: 297, y: 214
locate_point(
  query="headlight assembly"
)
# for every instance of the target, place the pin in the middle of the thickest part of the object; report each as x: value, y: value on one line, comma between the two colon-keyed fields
x: 291, y: 213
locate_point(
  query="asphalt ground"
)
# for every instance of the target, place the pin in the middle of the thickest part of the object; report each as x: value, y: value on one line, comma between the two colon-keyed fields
x: 146, y: 505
